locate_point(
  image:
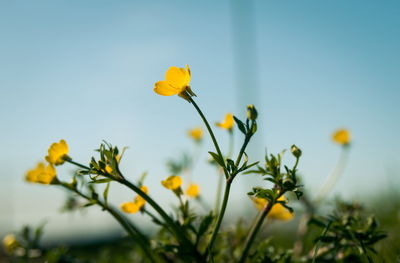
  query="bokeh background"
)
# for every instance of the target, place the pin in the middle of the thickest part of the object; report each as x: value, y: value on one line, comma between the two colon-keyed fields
x: 84, y: 71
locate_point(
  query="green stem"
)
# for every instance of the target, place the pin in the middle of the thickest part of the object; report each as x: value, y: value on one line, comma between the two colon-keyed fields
x: 77, y: 164
x: 183, y: 240
x: 253, y: 232
x: 333, y: 178
x: 220, y: 217
x: 211, y: 134
x: 219, y: 192
x: 319, y: 242
x: 132, y: 230
x: 151, y: 202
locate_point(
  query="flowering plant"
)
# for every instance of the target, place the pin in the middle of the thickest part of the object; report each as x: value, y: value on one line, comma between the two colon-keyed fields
x: 190, y: 236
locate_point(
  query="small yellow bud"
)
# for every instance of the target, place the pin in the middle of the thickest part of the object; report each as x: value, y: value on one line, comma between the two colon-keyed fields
x: 10, y: 243
x: 252, y: 112
x: 295, y: 151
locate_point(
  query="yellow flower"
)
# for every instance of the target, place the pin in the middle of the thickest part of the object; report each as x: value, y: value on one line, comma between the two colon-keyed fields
x: 131, y: 207
x: 227, y: 123
x: 137, y: 204
x: 193, y: 190
x: 57, y: 153
x: 341, y: 136
x: 41, y: 174
x: 10, y: 243
x: 173, y: 182
x: 278, y: 211
x: 196, y: 134
x: 176, y: 83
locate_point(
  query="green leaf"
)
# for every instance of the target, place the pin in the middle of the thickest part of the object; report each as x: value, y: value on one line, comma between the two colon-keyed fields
x: 205, y: 224
x: 101, y: 181
x: 217, y: 159
x: 105, y: 194
x: 240, y: 125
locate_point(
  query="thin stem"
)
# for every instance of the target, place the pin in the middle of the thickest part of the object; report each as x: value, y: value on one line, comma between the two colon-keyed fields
x: 183, y: 240
x: 333, y: 178
x: 239, y: 158
x: 319, y: 242
x: 168, y: 220
x: 219, y: 192
x: 132, y: 230
x: 77, y: 164
x: 253, y: 232
x: 211, y: 134
x: 220, y: 217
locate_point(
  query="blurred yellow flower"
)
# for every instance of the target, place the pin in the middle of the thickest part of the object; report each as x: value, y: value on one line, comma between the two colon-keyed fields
x: 341, y: 136
x: 196, y: 134
x: 137, y: 204
x: 227, y: 123
x: 41, y: 174
x: 176, y: 83
x: 278, y: 211
x: 173, y: 182
x: 193, y: 190
x: 57, y: 152
x: 131, y: 207
x: 10, y: 243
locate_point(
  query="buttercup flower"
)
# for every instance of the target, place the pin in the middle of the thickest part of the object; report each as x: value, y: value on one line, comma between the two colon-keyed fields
x: 136, y: 205
x: 57, y: 152
x: 341, y: 136
x: 227, y: 123
x: 278, y: 211
x: 10, y: 243
x: 41, y: 174
x: 193, y: 190
x: 173, y: 182
x: 176, y: 83
x: 196, y: 134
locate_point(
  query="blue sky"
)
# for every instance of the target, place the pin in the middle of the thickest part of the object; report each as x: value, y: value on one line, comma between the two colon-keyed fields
x: 84, y: 71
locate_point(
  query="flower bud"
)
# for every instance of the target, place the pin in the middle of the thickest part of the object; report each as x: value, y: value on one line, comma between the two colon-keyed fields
x: 251, y: 112
x: 295, y: 151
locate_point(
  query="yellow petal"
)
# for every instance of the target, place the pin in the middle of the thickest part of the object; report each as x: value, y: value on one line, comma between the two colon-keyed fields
x: 140, y: 199
x: 178, y: 77
x: 196, y: 133
x: 48, y: 175
x: 108, y: 169
x: 279, y: 212
x: 173, y: 182
x: 130, y: 207
x: 57, y: 152
x: 165, y: 89
x: 341, y: 136
x: 227, y: 123
x: 193, y: 190
x: 260, y: 203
